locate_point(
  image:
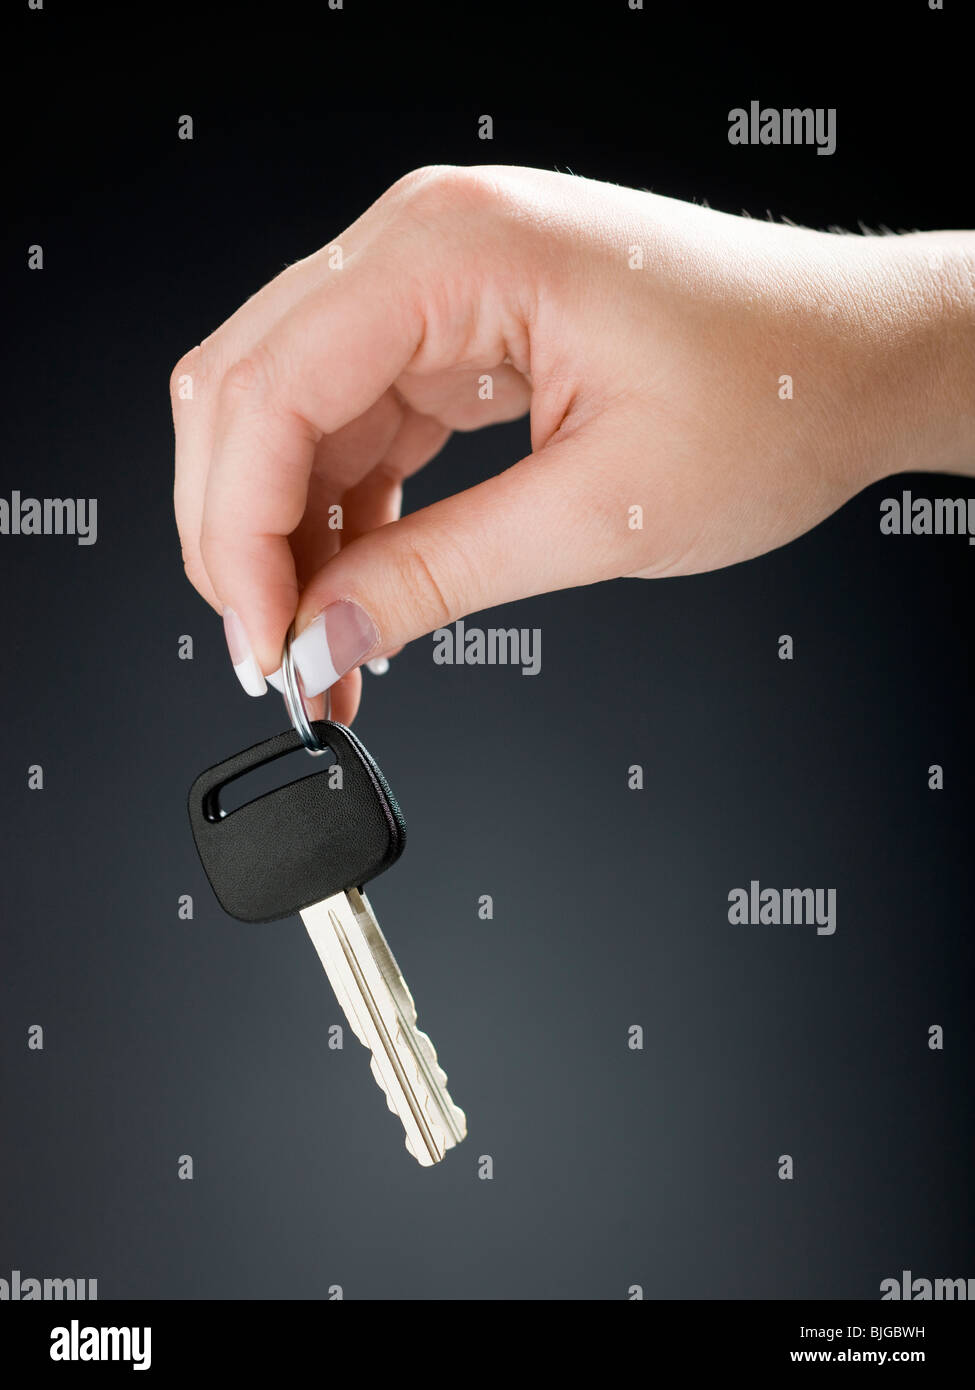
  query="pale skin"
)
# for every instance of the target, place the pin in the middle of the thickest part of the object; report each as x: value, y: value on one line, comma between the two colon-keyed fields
x: 656, y: 387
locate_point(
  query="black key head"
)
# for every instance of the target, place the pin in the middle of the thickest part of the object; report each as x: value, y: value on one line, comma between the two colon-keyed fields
x: 301, y: 842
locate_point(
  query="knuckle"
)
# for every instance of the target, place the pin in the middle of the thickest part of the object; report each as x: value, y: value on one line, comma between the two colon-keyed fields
x: 427, y: 575
x: 249, y: 376
x: 190, y: 365
x: 410, y: 185
x: 438, y: 190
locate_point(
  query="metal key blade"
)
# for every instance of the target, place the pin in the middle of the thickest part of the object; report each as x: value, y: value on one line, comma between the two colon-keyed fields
x: 379, y: 1007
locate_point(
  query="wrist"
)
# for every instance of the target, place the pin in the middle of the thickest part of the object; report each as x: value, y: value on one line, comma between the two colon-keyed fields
x: 933, y: 274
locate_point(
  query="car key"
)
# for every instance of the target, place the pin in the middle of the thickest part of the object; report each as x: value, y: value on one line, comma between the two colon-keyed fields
x: 310, y: 847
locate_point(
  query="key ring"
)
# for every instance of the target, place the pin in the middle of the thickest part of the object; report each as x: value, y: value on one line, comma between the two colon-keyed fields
x: 295, y: 703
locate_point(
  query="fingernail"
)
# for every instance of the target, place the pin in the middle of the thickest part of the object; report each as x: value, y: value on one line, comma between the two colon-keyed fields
x: 277, y: 680
x: 332, y: 644
x: 242, y: 654
x: 379, y: 665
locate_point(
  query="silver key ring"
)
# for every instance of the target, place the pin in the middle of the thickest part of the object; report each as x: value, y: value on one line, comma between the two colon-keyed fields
x: 295, y: 703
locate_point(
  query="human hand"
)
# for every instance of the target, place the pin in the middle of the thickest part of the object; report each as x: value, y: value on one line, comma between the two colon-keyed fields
x: 649, y: 338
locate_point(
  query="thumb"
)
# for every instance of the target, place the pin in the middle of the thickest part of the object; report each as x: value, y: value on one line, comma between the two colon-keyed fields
x: 534, y: 528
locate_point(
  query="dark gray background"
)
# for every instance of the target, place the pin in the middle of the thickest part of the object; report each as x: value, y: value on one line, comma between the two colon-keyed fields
x: 208, y: 1037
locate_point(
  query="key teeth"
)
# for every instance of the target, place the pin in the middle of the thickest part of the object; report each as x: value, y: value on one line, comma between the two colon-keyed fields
x: 430, y: 1052
x: 377, y: 1076
x: 444, y: 1140
x: 460, y: 1119
x: 423, y: 1158
x: 430, y: 1105
x: 374, y: 1005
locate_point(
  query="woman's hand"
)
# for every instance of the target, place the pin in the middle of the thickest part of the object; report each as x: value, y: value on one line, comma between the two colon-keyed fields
x: 702, y: 389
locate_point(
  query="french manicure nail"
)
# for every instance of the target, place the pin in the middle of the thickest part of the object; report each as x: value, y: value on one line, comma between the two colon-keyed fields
x: 277, y: 680
x: 242, y: 654
x: 332, y: 644
x: 379, y: 665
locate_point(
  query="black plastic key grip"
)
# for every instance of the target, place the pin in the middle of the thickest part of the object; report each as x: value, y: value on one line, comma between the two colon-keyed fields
x: 301, y: 842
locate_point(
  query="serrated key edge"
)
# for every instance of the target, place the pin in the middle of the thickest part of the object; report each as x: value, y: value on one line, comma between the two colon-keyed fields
x: 417, y: 1109
x: 430, y: 1073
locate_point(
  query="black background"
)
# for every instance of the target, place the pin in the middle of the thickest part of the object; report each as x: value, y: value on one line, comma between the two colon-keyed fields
x: 165, y: 1037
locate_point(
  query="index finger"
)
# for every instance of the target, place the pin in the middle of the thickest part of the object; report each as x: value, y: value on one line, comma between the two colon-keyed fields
x: 325, y: 362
